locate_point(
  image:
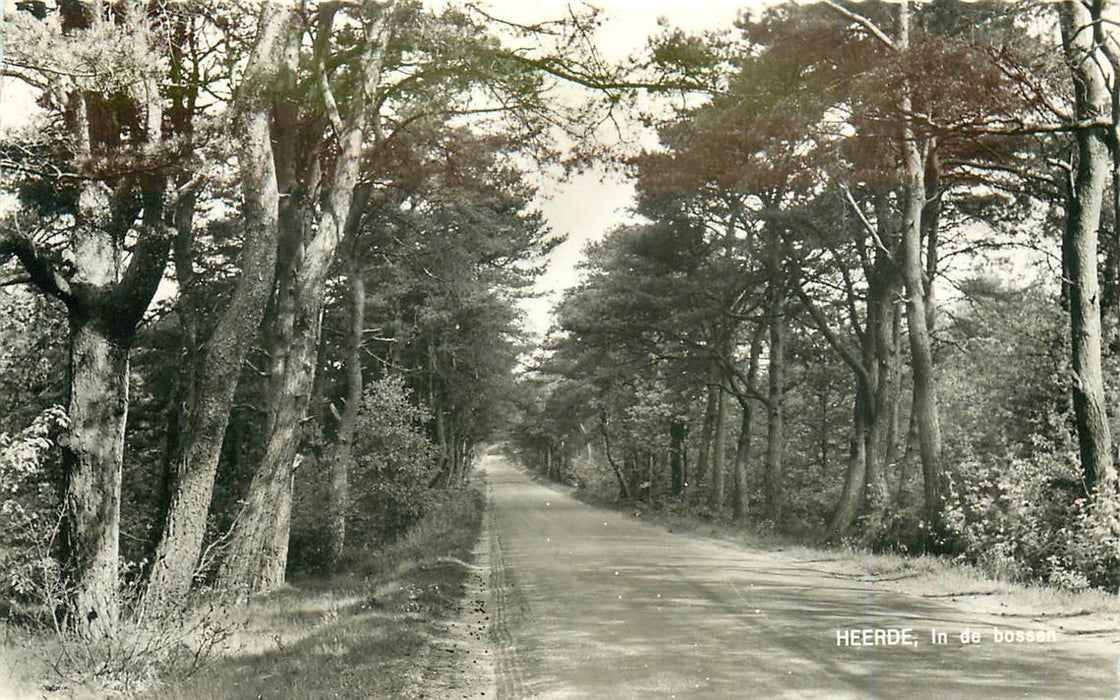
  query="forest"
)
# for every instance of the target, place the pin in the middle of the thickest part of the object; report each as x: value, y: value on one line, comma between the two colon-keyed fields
x: 871, y: 291
x: 263, y: 265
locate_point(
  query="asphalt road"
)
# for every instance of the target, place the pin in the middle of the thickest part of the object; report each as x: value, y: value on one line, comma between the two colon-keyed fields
x: 587, y: 603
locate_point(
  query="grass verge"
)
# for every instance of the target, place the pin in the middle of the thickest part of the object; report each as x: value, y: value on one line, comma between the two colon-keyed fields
x: 361, y: 634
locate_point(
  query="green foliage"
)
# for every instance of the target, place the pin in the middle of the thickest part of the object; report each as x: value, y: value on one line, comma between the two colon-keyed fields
x: 32, y: 363
x: 393, y: 460
x: 29, y: 506
x: 1018, y: 505
x: 1024, y: 521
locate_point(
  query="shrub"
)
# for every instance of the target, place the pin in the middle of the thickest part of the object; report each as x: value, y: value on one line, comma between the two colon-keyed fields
x: 1028, y: 520
x: 392, y: 461
x: 30, y: 508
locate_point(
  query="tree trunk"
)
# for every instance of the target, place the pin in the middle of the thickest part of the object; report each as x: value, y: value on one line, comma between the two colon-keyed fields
x: 106, y: 302
x: 1083, y: 213
x: 739, y: 503
x: 882, y: 372
x: 906, y: 466
x: 852, y: 496
x: 342, y: 452
x: 921, y: 353
x: 623, y: 487
x: 93, y: 452
x: 677, y: 432
x: 711, y: 408
x: 249, y: 565
x: 254, y: 559
x: 890, y: 456
x: 719, y: 448
x: 775, y: 437
x: 205, y: 416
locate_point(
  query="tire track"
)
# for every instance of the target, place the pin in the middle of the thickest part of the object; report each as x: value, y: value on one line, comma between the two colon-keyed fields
x: 506, y: 610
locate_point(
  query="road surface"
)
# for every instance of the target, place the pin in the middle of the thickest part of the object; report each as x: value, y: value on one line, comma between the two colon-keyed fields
x: 587, y: 603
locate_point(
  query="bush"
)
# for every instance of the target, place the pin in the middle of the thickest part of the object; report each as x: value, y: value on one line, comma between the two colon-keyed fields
x: 392, y: 461
x: 1028, y: 521
x: 30, y: 508
x: 141, y: 651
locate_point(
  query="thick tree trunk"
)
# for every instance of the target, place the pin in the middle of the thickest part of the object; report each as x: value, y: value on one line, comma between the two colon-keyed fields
x: 677, y: 432
x: 1083, y: 213
x: 205, y: 416
x: 254, y: 561
x: 106, y: 301
x: 93, y: 452
x: 250, y: 564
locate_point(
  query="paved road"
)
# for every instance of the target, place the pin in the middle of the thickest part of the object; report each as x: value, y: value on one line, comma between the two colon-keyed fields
x: 588, y: 603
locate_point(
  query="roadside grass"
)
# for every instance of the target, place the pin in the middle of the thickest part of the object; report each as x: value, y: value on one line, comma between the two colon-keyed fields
x: 1089, y: 612
x: 363, y: 633
x: 25, y: 670
x: 360, y: 634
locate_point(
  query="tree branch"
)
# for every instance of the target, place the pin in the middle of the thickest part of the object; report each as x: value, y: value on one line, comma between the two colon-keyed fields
x: 821, y: 323
x: 40, y: 270
x: 863, y: 22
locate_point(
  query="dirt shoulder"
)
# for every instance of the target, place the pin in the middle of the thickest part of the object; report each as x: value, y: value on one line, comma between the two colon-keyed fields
x: 1089, y: 614
x: 459, y: 661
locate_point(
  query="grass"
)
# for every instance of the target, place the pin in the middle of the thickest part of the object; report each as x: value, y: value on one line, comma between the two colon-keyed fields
x: 360, y: 634
x: 364, y: 633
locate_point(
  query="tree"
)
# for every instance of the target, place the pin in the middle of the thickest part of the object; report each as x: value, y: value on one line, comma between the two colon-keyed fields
x: 100, y: 196
x: 215, y: 365
x: 1087, y: 58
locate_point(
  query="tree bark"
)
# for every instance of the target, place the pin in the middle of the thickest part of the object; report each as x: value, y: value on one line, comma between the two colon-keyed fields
x: 677, y: 432
x: 855, y: 481
x: 775, y: 434
x: 719, y: 446
x: 205, y: 416
x: 921, y: 353
x: 711, y: 408
x: 254, y: 560
x: 740, y: 499
x: 341, y: 454
x: 98, y: 410
x: 1083, y: 213
x: 623, y: 487
x: 882, y: 371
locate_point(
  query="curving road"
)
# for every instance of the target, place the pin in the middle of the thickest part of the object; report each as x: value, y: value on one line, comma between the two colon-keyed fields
x: 587, y: 603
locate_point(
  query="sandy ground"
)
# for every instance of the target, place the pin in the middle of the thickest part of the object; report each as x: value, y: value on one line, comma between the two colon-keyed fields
x: 586, y: 603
